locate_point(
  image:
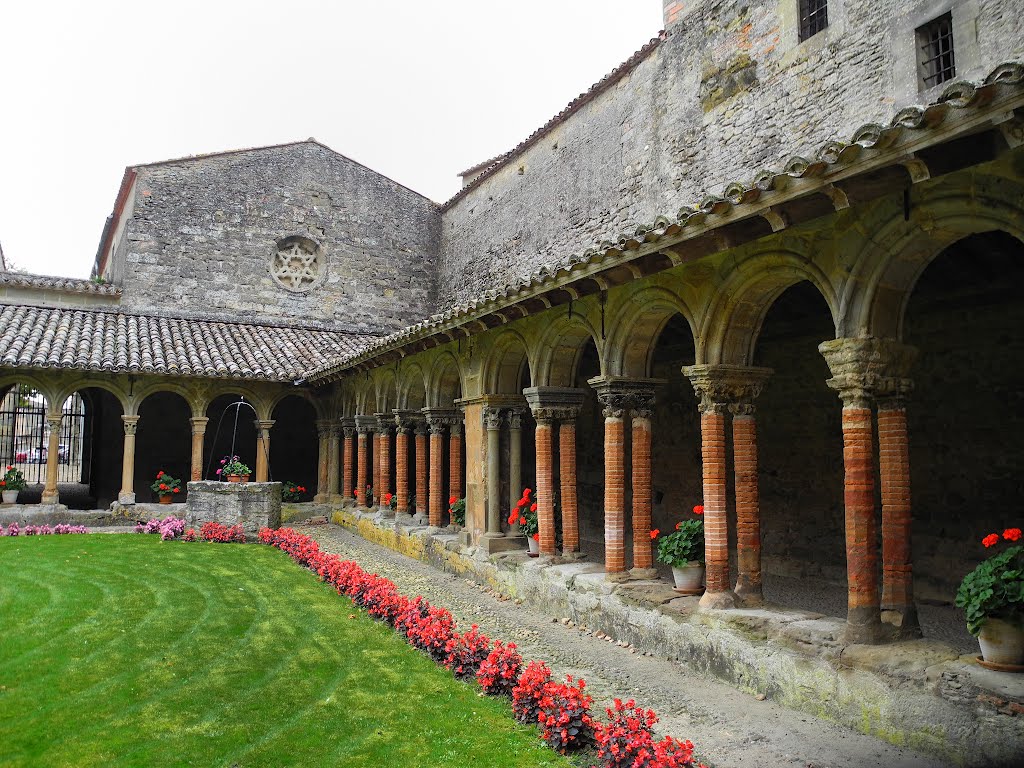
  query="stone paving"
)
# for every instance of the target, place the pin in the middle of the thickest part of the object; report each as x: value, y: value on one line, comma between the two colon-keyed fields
x: 729, y: 727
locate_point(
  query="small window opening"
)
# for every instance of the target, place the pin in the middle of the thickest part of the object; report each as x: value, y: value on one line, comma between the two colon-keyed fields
x: 813, y: 17
x: 936, y: 62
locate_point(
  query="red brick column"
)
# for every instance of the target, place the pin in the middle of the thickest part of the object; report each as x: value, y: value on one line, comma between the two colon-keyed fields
x: 455, y: 459
x: 614, y: 484
x: 375, y: 483
x: 748, y: 514
x: 567, y: 471
x: 347, y: 461
x: 361, y: 447
x: 894, y: 468
x: 384, y: 423
x: 545, y: 486
x: 421, y: 469
x: 643, y: 557
x: 402, y: 468
x: 436, y: 471
x: 716, y: 528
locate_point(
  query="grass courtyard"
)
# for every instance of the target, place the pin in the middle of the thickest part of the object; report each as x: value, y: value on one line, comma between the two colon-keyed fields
x: 125, y: 650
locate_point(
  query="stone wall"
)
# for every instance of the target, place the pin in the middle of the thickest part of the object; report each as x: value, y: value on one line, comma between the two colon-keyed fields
x: 203, y: 231
x: 251, y: 505
x: 730, y: 92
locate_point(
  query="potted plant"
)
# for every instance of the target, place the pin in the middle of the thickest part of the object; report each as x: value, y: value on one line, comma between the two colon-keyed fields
x: 992, y: 598
x: 234, y: 470
x: 165, y: 487
x: 457, y: 511
x: 683, y: 550
x: 11, y: 483
x: 292, y: 491
x: 525, y: 516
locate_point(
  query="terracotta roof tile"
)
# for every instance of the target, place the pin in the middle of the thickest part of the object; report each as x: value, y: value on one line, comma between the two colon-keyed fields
x: 65, y: 284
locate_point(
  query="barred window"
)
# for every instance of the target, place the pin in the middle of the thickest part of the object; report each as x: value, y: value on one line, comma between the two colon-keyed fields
x: 813, y: 17
x: 936, y: 62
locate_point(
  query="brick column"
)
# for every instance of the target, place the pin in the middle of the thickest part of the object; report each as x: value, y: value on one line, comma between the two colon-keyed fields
x: 403, y: 428
x: 348, y: 459
x: 127, y: 494
x: 422, y: 496
x: 198, y: 434
x: 748, y: 511
x: 862, y: 369
x: 643, y: 555
x: 492, y: 422
x: 323, y: 460
x: 614, y: 481
x: 364, y: 427
x: 53, y: 421
x: 455, y: 458
x: 436, y: 500
x: 384, y: 424
x: 263, y: 427
x: 545, y: 484
x: 375, y: 463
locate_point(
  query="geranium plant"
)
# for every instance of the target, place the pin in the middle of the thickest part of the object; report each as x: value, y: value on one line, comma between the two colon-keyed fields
x: 995, y: 589
x: 525, y: 514
x: 457, y: 510
x: 13, y: 479
x: 165, y: 485
x: 231, y: 465
x: 685, y: 544
x: 292, y: 491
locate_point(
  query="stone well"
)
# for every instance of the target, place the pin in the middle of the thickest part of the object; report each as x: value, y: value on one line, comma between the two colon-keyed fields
x: 251, y: 505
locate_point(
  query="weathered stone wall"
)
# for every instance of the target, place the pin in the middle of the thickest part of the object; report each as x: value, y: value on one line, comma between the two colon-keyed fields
x: 203, y: 231
x: 730, y: 92
x: 251, y: 505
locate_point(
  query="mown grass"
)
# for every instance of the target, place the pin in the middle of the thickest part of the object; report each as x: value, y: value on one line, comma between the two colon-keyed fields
x: 124, y: 650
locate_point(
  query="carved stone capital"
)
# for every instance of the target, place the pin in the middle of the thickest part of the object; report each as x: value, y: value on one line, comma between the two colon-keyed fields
x: 366, y: 424
x: 131, y: 423
x: 618, y: 394
x: 405, y: 420
x: 555, y: 403
x: 725, y: 388
x: 492, y: 417
x: 199, y: 424
x: 348, y: 426
x: 385, y: 421
x: 515, y: 419
x: 868, y: 369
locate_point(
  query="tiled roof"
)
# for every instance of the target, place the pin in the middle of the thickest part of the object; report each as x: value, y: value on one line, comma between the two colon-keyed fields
x: 65, y: 284
x: 119, y: 342
x: 837, y: 159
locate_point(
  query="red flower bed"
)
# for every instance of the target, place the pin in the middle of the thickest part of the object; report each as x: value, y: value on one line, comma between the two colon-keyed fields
x: 561, y: 709
x: 222, y: 534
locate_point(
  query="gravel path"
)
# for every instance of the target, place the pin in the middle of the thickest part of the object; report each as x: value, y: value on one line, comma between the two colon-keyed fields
x: 729, y: 728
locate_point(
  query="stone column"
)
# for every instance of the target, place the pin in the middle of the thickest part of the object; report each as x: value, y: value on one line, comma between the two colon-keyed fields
x: 198, y: 434
x: 862, y: 369
x: 333, y: 462
x: 422, y: 496
x: 492, y: 422
x: 50, y: 493
x: 455, y: 458
x: 263, y: 428
x: 403, y: 427
x: 323, y: 461
x: 515, y: 462
x: 348, y: 459
x: 384, y: 424
x: 364, y: 426
x: 127, y: 494
x: 643, y: 555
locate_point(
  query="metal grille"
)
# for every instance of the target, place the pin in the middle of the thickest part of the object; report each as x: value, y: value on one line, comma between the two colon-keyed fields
x: 24, y: 436
x: 813, y: 17
x: 935, y: 40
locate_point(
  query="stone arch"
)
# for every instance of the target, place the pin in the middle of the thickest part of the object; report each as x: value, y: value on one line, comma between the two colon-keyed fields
x: 633, y: 338
x: 412, y: 388
x: 444, y: 381
x: 40, y: 383
x: 386, y: 390
x: 294, y: 440
x: 363, y: 396
x: 879, y: 290
x: 305, y: 394
x: 163, y: 438
x: 197, y: 403
x: 217, y: 441
x: 733, y: 323
x: 255, y: 397
x: 506, y: 363
x: 559, y: 348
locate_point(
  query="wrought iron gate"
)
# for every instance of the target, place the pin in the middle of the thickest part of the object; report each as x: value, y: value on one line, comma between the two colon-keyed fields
x: 25, y: 436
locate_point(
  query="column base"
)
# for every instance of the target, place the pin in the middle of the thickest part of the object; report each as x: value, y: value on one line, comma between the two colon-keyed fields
x: 403, y: 518
x: 320, y: 498
x: 125, y: 498
x: 492, y: 543
x: 718, y: 601
x: 902, y: 622
x: 617, y: 577
x: 348, y: 501
x: 749, y: 597
x: 566, y: 555
x: 864, y: 626
x: 420, y: 519
x: 51, y: 499
x: 643, y: 574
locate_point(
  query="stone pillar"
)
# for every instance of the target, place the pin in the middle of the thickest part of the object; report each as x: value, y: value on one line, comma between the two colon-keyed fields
x: 263, y: 427
x: 348, y: 459
x: 515, y: 463
x: 198, y: 434
x: 384, y: 423
x: 323, y: 461
x: 50, y: 493
x: 333, y: 462
x: 643, y: 555
x: 364, y: 427
x: 127, y: 494
x: 455, y: 458
x: 862, y: 369
x: 422, y: 496
x: 403, y: 428
x: 492, y: 422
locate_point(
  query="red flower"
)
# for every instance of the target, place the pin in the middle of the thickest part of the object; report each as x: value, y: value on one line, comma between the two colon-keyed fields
x: 1012, y: 534
x: 159, y: 474
x: 521, y: 504
x: 536, y: 537
x: 533, y: 507
x: 678, y: 525
x: 699, y: 509
x: 526, y: 492
x: 177, y: 490
x: 512, y: 518
x: 452, y: 500
x: 991, y: 540
x: 355, y: 491
x: 163, y: 486
x: 654, y: 534
x: 522, y: 521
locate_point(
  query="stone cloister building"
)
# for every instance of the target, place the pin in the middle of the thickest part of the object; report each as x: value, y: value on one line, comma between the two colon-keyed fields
x: 766, y: 265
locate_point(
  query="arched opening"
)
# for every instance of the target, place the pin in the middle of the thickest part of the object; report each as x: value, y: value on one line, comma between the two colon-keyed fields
x: 163, y: 443
x: 446, y: 390
x: 800, y: 442
x: 965, y: 416
x: 102, y: 450
x: 230, y: 425
x: 590, y: 457
x: 24, y: 437
x: 294, y: 443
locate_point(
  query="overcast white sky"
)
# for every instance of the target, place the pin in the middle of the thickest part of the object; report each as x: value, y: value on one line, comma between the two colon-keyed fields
x: 416, y: 90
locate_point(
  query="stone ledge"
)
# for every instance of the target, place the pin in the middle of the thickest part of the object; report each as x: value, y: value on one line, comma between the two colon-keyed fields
x: 920, y: 693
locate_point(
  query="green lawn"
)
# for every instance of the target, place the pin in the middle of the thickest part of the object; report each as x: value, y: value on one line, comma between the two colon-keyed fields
x: 125, y: 650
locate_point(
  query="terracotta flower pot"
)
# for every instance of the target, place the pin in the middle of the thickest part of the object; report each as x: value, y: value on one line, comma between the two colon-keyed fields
x: 166, y: 498
x: 689, y: 579
x: 234, y: 478
x: 534, y: 546
x: 1002, y: 642
x: 245, y: 478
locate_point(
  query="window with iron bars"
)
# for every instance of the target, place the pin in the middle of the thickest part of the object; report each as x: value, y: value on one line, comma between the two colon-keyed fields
x: 813, y: 17
x: 936, y: 62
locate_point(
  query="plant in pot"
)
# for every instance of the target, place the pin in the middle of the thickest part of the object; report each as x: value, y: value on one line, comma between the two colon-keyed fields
x: 683, y: 550
x: 457, y: 511
x: 165, y: 487
x: 234, y: 470
x: 525, y: 516
x: 992, y: 598
x: 292, y: 492
x: 12, y: 482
